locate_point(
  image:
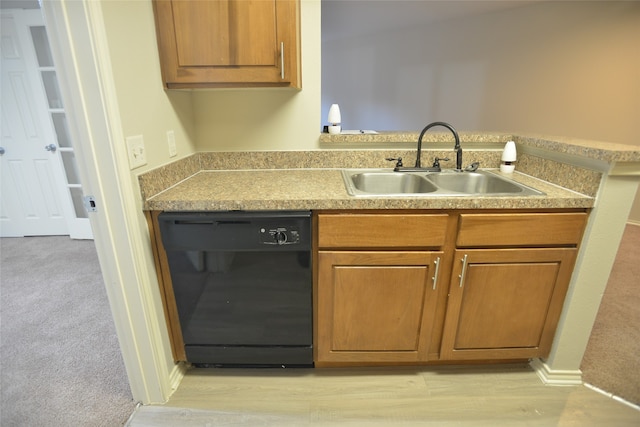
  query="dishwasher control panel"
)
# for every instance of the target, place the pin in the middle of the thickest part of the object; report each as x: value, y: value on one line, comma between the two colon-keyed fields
x: 279, y: 235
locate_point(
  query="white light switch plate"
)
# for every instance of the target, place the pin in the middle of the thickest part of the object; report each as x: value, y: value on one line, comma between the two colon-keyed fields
x: 135, y: 148
x: 171, y: 140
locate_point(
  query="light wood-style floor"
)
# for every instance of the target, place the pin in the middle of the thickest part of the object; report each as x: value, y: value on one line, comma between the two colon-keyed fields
x: 467, y: 396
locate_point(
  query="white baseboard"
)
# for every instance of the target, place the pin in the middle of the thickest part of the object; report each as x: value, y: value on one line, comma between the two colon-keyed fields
x: 612, y: 396
x: 176, y: 376
x: 556, y: 377
x: 633, y: 222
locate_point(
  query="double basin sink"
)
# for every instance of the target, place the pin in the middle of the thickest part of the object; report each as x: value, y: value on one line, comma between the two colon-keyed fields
x: 385, y: 182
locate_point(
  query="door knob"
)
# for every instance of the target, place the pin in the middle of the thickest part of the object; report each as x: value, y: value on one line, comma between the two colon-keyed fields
x: 51, y: 147
x: 1, y: 151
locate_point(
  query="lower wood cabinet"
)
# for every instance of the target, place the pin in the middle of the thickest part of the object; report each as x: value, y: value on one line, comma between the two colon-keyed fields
x: 504, y: 277
x: 375, y: 306
x: 505, y: 303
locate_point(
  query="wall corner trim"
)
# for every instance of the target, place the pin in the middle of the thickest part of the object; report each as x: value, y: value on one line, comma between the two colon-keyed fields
x: 556, y: 377
x: 175, y: 378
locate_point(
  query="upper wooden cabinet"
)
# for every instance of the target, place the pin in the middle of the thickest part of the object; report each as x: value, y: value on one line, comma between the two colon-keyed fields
x: 228, y: 43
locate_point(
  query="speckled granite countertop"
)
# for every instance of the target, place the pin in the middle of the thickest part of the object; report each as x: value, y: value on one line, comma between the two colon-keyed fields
x: 324, y: 189
x: 281, y: 180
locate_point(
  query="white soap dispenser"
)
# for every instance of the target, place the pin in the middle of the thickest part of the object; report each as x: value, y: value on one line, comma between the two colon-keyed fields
x: 509, y: 157
x: 334, y: 119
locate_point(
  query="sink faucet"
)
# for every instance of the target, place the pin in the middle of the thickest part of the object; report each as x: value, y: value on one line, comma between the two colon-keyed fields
x: 457, y: 148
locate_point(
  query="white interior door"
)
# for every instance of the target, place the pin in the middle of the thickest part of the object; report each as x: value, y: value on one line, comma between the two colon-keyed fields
x: 40, y: 192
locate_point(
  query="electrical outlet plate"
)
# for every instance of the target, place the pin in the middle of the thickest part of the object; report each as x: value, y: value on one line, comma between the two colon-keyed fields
x: 135, y: 148
x: 171, y: 140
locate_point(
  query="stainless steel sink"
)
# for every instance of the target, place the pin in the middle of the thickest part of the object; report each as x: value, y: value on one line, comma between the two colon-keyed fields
x: 391, y: 183
x: 475, y: 183
x: 382, y: 182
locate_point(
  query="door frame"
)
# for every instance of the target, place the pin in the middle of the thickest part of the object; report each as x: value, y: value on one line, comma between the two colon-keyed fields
x: 79, y: 45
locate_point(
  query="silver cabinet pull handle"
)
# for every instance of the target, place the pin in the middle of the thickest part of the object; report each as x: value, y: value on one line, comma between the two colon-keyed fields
x: 282, y: 60
x: 435, y: 273
x: 464, y: 269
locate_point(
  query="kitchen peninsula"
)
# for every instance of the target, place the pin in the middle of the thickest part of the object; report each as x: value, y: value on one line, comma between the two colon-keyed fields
x: 575, y: 175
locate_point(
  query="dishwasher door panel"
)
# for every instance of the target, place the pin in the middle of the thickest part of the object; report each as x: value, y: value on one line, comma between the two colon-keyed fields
x: 239, y: 300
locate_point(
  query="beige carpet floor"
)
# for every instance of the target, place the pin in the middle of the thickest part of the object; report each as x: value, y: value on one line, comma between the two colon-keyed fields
x: 60, y: 361
x: 612, y: 359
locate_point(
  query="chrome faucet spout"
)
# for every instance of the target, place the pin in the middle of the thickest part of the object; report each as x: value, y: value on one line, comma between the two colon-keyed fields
x: 457, y: 148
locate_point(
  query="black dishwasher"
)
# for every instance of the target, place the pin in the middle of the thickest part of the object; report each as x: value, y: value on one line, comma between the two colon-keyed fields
x: 242, y: 284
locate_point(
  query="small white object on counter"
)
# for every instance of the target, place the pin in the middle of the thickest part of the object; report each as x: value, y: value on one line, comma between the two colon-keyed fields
x: 509, y: 157
x: 334, y: 119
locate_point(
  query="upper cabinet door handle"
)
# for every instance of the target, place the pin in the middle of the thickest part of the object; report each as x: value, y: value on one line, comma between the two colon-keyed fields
x: 282, y: 60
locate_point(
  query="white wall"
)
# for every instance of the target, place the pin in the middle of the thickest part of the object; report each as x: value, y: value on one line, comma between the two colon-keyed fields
x: 135, y: 104
x: 566, y: 68
x: 266, y: 119
x: 560, y: 68
x: 145, y: 108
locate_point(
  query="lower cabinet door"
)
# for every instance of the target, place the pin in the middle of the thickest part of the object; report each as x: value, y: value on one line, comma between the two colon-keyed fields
x: 375, y: 306
x: 505, y: 303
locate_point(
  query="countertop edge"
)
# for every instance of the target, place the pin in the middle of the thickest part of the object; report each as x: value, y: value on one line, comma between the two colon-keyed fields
x: 323, y: 189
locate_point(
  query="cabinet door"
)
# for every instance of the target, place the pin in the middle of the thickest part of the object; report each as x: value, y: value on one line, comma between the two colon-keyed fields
x: 375, y: 306
x: 228, y: 43
x: 505, y: 303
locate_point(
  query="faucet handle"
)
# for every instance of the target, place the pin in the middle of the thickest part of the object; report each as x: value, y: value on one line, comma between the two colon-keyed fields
x: 436, y: 161
x: 395, y: 159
